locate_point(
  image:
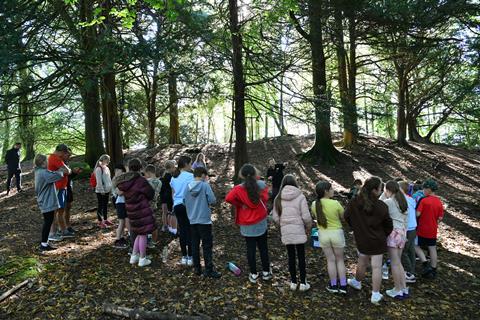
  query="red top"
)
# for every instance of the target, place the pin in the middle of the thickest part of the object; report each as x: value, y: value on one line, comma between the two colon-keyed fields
x: 55, y: 163
x: 431, y: 209
x: 248, y: 213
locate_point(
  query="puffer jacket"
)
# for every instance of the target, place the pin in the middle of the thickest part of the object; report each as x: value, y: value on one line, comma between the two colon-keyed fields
x: 138, y: 194
x: 295, y: 217
x: 247, y: 212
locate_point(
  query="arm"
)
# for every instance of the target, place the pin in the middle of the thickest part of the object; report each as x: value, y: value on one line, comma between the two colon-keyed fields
x: 387, y: 222
x: 341, y: 212
x: 232, y: 199
x: 275, y: 216
x: 147, y: 189
x: 306, y: 216
x: 98, y: 177
x: 211, y: 199
x: 53, y: 176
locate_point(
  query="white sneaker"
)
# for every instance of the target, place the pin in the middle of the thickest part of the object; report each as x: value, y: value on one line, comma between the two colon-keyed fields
x: 354, y: 283
x: 267, y: 275
x: 189, y: 261
x: 392, y: 293
x: 293, y: 286
x: 184, y: 261
x: 253, y: 277
x: 410, y: 278
x: 144, y: 262
x: 304, y: 287
x: 376, y: 298
x: 134, y: 258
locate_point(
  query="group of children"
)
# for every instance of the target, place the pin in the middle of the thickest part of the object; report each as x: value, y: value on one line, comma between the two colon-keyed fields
x: 397, y: 220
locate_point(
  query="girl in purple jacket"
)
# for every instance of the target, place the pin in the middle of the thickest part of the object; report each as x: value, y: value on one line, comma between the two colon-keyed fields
x: 138, y: 194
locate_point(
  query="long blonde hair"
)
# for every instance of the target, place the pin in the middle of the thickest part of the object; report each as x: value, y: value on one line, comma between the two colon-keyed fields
x: 102, y: 158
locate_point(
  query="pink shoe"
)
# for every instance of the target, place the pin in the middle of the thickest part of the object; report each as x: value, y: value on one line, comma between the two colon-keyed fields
x: 108, y: 223
x: 102, y: 225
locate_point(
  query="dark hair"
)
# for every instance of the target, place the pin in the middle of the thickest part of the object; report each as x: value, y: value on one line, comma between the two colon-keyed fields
x: 62, y: 148
x: 182, y: 162
x: 403, y: 186
x: 288, y: 180
x: 249, y: 174
x: 320, y: 189
x: 366, y: 196
x: 17, y: 144
x: 357, y: 181
x: 199, y: 171
x: 135, y: 165
x: 394, y: 188
x: 398, y: 179
x: 120, y: 167
x: 151, y: 169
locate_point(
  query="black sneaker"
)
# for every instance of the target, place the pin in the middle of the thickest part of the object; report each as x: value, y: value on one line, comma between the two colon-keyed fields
x: 120, y: 243
x: 213, y: 274
x: 47, y: 248
x: 427, y: 271
x: 342, y: 289
x: 332, y: 289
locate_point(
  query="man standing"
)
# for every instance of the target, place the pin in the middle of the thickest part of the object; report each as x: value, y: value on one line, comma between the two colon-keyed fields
x: 12, y: 159
x: 56, y: 161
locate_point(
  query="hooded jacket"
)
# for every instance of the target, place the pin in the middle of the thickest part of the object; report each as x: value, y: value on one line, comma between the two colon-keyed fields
x: 295, y: 217
x: 45, y: 189
x: 247, y: 212
x: 198, y: 196
x: 138, y: 193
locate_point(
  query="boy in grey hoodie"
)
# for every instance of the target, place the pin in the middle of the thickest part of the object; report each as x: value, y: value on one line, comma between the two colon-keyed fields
x: 198, y: 197
x: 46, y: 195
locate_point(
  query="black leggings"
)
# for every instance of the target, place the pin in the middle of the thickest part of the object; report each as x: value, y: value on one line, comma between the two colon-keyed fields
x: 47, y: 223
x: 102, y: 206
x: 252, y: 243
x: 300, y: 249
x: 184, y: 229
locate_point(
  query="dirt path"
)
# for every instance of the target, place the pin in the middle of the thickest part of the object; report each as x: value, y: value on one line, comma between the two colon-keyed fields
x: 87, y: 271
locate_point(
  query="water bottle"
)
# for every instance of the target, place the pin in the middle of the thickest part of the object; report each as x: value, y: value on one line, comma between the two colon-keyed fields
x: 385, y: 271
x: 233, y: 268
x: 165, y: 254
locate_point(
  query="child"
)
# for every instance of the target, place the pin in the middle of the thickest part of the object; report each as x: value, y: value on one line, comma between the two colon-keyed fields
x: 408, y: 254
x: 198, y: 197
x: 102, y: 189
x: 169, y: 220
x: 275, y: 175
x: 199, y: 162
x: 429, y: 212
x: 181, y: 178
x: 138, y: 194
x: 368, y: 217
x: 397, y: 209
x: 151, y: 175
x: 290, y: 210
x: 418, y: 191
x: 119, y: 202
x: 357, y: 185
x: 329, y: 213
x: 46, y: 195
x: 249, y: 200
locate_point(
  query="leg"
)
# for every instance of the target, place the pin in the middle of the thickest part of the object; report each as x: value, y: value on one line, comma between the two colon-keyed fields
x: 433, y: 256
x: 340, y: 264
x: 121, y: 226
x: 376, y: 272
x: 207, y: 244
x: 262, y: 243
x: 136, y: 246
x: 99, y: 207
x: 301, y: 263
x: 18, y: 179
x: 68, y: 208
x: 195, y: 233
x: 331, y: 265
x: 363, y: 261
x: 164, y: 215
x: 407, y: 252
x: 47, y: 223
x: 251, y: 253
x: 397, y: 269
x: 9, y: 180
x: 105, y: 207
x: 292, y: 267
x: 61, y: 219
x: 142, y: 245
x: 181, y: 214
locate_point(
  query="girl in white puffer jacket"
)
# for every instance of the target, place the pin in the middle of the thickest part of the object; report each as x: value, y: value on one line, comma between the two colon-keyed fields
x: 290, y: 211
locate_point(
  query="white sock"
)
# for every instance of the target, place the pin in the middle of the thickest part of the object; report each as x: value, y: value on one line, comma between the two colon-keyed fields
x: 375, y: 293
x: 44, y: 244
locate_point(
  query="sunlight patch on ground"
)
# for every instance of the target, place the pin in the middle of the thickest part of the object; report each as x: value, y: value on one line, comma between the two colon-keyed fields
x: 458, y: 269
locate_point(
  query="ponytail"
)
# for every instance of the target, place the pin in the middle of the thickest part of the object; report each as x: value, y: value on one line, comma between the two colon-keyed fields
x: 320, y: 189
x: 366, y: 196
x: 249, y: 174
x: 183, y: 161
x: 394, y: 188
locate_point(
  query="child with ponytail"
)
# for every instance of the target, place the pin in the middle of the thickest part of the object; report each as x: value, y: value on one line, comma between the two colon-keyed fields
x: 290, y: 211
x: 397, y: 209
x: 328, y: 214
x: 249, y: 200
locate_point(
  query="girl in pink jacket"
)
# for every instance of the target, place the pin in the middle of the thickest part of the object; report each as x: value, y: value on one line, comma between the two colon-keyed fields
x: 290, y: 210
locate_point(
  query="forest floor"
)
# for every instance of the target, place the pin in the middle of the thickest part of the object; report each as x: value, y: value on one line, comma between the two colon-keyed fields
x: 85, y: 272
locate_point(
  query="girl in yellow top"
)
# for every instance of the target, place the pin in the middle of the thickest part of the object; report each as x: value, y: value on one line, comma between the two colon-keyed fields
x: 328, y: 214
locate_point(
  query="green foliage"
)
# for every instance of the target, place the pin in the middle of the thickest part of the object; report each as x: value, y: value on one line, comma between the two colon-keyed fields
x: 19, y: 268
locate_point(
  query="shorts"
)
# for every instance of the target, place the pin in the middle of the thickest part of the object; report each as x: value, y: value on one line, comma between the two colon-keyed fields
x: 397, y: 239
x: 426, y: 242
x: 69, y: 195
x: 62, y: 198
x: 331, y: 238
x: 121, y: 210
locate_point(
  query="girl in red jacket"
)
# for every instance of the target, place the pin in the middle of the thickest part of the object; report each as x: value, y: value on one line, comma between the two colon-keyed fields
x: 249, y: 200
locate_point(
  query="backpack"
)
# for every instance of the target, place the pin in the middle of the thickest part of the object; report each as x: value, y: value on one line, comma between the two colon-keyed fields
x: 93, y: 178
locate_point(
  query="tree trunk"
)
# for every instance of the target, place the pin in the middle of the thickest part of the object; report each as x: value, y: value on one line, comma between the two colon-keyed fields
x: 352, y: 78
x: 241, y: 156
x: 109, y: 101
x: 323, y: 146
x: 281, y: 120
x: 401, y: 114
x: 439, y: 123
x: 174, y: 132
x: 89, y: 88
x: 6, y: 131
x: 26, y: 131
